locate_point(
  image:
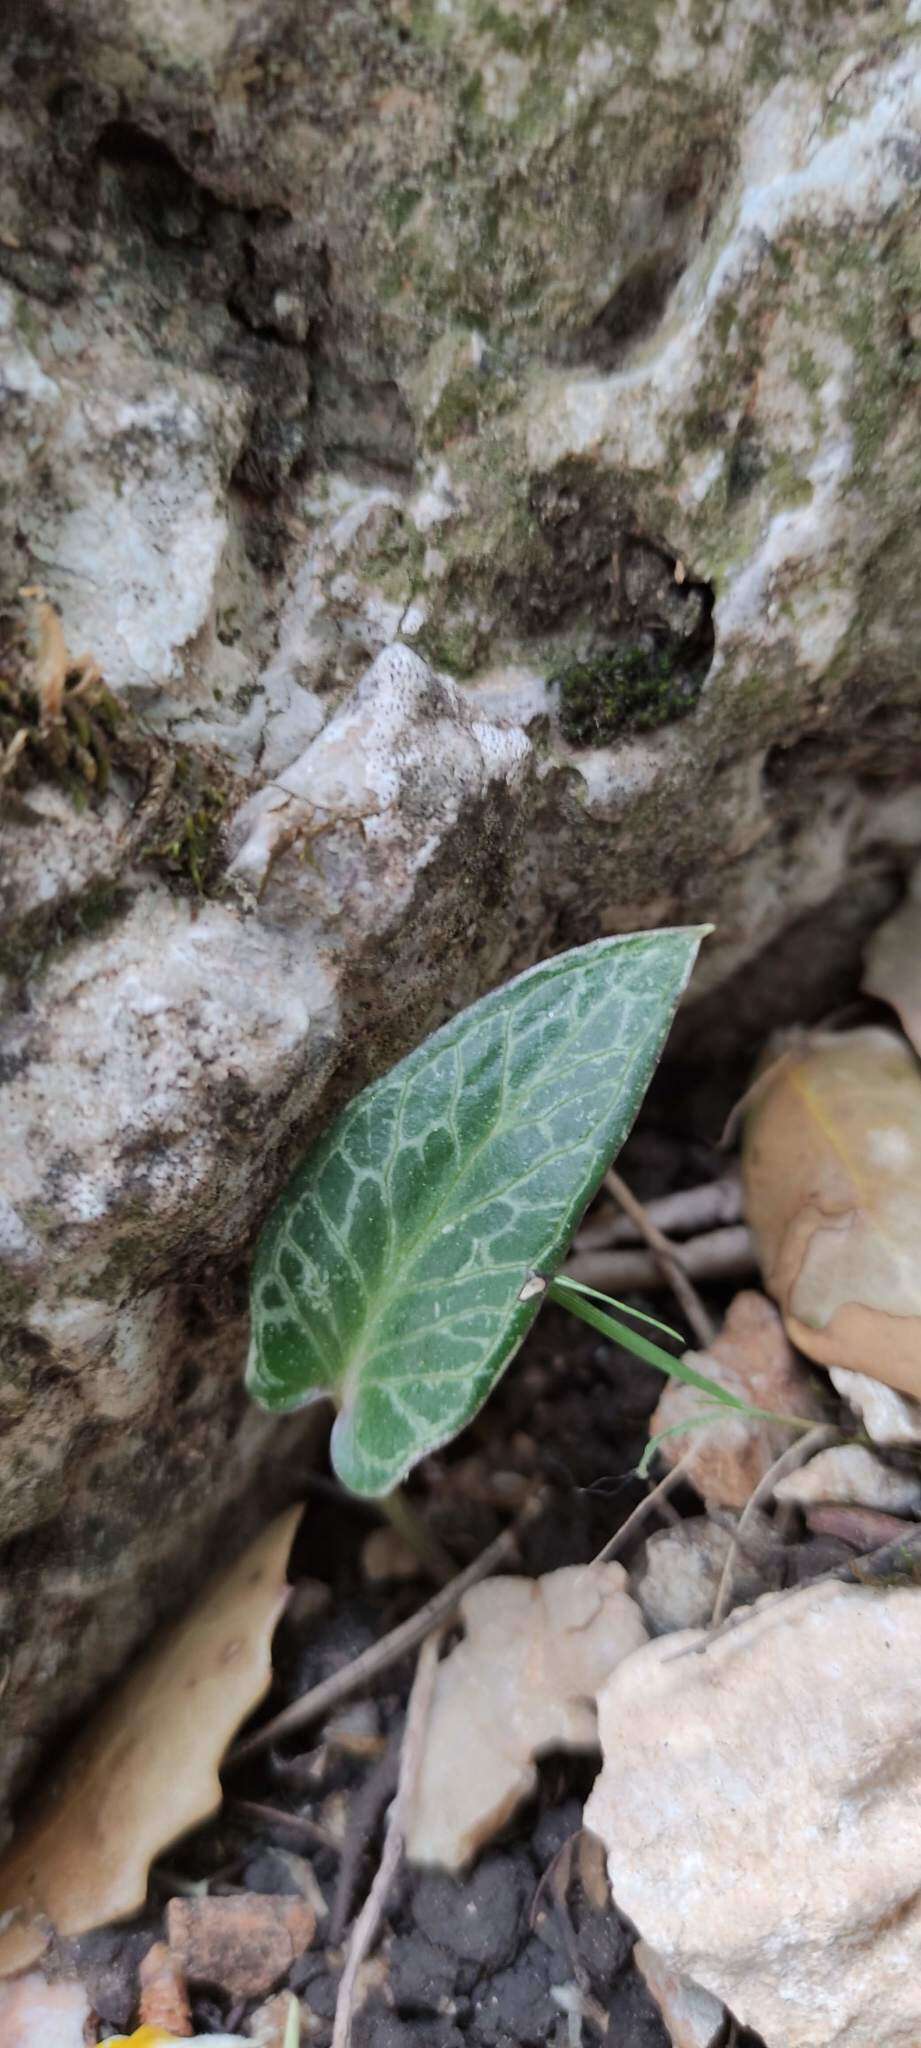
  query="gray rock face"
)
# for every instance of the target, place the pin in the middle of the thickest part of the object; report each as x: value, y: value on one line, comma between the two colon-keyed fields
x: 758, y: 1805
x: 477, y: 448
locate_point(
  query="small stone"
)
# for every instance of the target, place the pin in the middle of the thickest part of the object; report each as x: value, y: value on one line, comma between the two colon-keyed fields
x: 888, y: 1417
x: 759, y: 1807
x: 693, y: 2017
x: 36, y: 2014
x: 851, y: 1476
x: 677, y: 1584
x: 164, y: 2000
x: 268, y: 2024
x: 242, y: 1944
x: 522, y: 1681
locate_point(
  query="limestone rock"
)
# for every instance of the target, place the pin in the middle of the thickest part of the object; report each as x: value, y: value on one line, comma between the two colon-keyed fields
x: 850, y: 1474
x: 367, y: 387
x: 522, y: 1682
x: 692, y: 2017
x: 758, y: 1803
x: 887, y: 1416
x: 681, y: 1573
x: 32, y: 2011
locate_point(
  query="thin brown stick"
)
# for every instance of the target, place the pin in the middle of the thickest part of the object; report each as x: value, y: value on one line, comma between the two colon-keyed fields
x: 727, y: 1254
x: 667, y: 1259
x: 369, y: 1919
x: 683, y: 1214
x: 892, y: 1565
x: 796, y: 1454
x: 364, y: 1813
x: 655, y: 1497
x: 342, y: 1684
x: 263, y: 1816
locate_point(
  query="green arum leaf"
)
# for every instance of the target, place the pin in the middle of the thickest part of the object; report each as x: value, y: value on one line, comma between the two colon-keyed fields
x: 397, y: 1273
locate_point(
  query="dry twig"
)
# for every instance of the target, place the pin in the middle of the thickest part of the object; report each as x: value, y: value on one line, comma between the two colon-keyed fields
x: 369, y: 1919
x: 656, y: 1497
x: 379, y: 1786
x: 667, y: 1259
x: 719, y: 1255
x: 796, y: 1454
x: 342, y: 1684
x: 683, y: 1214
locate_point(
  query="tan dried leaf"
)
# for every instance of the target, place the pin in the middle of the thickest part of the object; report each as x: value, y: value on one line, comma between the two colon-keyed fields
x: 146, y: 1768
x: 751, y: 1359
x: 892, y: 962
x: 523, y: 1681
x: 832, y: 1176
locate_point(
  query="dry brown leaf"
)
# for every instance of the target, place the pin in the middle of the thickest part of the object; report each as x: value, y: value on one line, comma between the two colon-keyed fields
x: 751, y: 1359
x: 832, y: 1175
x: 892, y: 962
x: 523, y: 1681
x: 146, y: 1769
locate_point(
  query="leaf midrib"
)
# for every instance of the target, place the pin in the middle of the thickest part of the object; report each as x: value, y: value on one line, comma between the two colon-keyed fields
x: 361, y: 1352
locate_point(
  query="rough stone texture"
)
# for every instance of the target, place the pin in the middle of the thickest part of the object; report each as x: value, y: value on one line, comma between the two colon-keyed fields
x: 678, y: 1582
x: 759, y: 1804
x: 693, y: 2018
x: 359, y: 370
x: 888, y: 1417
x: 851, y: 1474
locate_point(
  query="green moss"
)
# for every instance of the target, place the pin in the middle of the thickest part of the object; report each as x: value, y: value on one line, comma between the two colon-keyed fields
x: 509, y: 31
x: 623, y: 690
x: 189, y: 849
x: 456, y: 645
x: 806, y: 370
x: 786, y: 483
x: 398, y: 203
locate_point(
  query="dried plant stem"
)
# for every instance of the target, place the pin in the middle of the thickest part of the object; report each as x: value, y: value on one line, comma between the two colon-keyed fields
x: 369, y: 1919
x: 667, y: 1259
x: 398, y: 1510
x: 683, y: 1214
x: 727, y: 1254
x: 341, y: 1685
x: 796, y: 1454
x: 656, y: 1497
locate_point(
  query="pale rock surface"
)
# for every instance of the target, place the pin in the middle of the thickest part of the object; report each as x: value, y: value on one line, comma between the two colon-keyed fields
x: 523, y: 1681
x: 351, y: 383
x: 752, y: 1359
x: 852, y: 1475
x: 36, y: 2014
x: 692, y: 2017
x: 681, y: 1572
x: 887, y: 1416
x: 759, y: 1804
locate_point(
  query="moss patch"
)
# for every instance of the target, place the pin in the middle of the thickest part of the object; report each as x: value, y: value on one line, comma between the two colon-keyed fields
x: 188, y: 846
x: 605, y: 696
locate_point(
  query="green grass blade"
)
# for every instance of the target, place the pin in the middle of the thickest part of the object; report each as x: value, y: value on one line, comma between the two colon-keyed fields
x: 625, y: 1307
x: 665, y: 1362
x: 391, y: 1272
